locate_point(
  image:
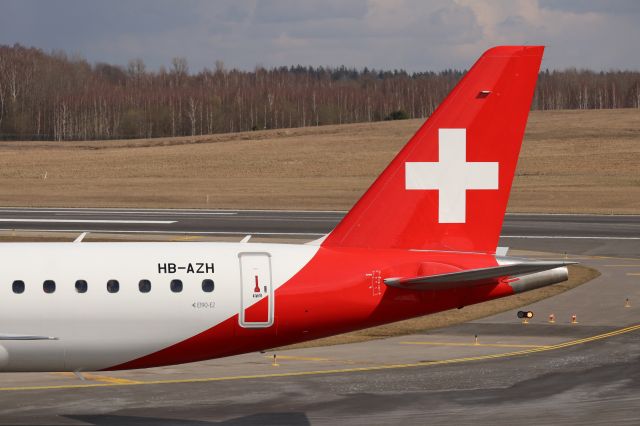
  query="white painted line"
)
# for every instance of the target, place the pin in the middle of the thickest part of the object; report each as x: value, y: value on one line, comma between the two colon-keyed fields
x: 220, y: 216
x: 561, y: 237
x: 573, y: 214
x: 211, y: 211
x: 281, y: 218
x: 110, y: 231
x: 87, y: 221
x: 80, y: 237
x: 122, y: 231
x: 107, y: 212
x: 235, y: 211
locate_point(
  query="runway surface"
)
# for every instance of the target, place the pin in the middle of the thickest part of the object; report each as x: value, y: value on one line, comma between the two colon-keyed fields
x: 583, y: 234
x: 540, y: 373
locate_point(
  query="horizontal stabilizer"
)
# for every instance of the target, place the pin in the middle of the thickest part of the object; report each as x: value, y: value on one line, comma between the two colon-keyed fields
x: 5, y: 336
x: 471, y: 277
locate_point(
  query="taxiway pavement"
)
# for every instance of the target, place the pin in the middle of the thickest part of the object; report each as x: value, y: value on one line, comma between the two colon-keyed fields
x: 541, y: 372
x: 614, y: 235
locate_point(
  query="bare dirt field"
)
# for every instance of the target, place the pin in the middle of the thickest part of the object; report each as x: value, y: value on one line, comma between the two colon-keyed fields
x: 572, y: 162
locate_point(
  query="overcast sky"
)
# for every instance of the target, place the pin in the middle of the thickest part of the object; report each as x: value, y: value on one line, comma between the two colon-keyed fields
x: 411, y: 34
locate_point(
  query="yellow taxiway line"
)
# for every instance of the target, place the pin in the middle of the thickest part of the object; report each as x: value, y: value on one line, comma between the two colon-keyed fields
x: 340, y: 370
x: 623, y: 266
x: 187, y: 238
x: 298, y: 358
x: 492, y: 345
x: 104, y: 379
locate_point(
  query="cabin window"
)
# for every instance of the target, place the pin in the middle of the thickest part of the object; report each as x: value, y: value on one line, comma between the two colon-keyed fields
x: 49, y: 286
x: 207, y: 285
x: 113, y: 286
x: 81, y: 286
x: 18, y: 286
x: 176, y: 286
x: 144, y: 286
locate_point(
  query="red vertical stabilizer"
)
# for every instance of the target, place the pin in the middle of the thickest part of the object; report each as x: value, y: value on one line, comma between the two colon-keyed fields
x: 448, y: 188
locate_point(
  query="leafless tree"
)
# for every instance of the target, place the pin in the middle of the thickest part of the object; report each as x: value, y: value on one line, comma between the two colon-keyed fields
x: 56, y: 97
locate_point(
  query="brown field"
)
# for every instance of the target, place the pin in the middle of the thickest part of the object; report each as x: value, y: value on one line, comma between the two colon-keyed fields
x: 572, y: 161
x: 578, y: 274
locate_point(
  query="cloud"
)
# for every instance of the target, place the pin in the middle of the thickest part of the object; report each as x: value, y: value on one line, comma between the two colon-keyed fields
x: 597, y: 6
x: 411, y: 34
x: 302, y: 11
x: 575, y: 36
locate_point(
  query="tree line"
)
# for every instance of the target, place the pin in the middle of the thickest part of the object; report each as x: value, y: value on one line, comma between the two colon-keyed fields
x: 51, y: 96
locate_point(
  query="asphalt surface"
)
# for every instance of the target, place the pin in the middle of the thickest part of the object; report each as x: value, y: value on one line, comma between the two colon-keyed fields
x: 595, y: 383
x: 583, y: 234
x: 540, y: 373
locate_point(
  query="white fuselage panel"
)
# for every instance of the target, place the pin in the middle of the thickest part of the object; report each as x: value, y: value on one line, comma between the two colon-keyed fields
x: 99, y: 329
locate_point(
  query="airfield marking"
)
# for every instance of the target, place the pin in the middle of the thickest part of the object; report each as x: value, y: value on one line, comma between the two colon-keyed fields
x: 623, y: 266
x: 114, y: 380
x: 121, y: 212
x: 568, y: 237
x: 161, y: 231
x: 492, y: 345
x: 234, y: 211
x: 615, y: 257
x: 299, y: 358
x: 104, y: 379
x: 319, y: 359
x: 342, y: 370
x: 156, y: 222
x: 158, y: 231
x: 169, y: 210
x: 187, y: 238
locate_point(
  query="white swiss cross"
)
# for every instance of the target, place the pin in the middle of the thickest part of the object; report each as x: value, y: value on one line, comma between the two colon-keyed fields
x: 452, y: 175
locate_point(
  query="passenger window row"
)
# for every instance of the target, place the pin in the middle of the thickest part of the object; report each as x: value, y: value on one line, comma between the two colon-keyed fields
x: 113, y: 286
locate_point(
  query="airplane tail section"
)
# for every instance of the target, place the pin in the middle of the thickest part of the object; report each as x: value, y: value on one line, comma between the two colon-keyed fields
x: 448, y: 188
